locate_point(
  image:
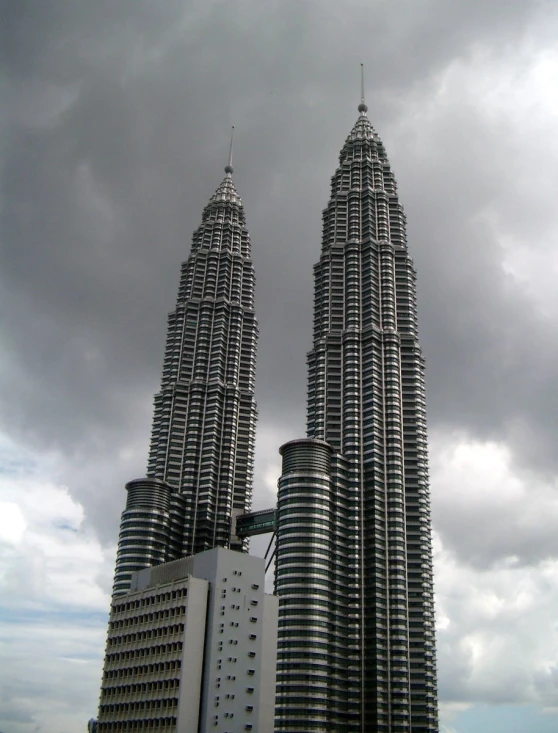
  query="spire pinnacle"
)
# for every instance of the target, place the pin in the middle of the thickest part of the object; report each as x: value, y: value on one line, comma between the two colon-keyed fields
x: 228, y: 167
x: 362, y: 108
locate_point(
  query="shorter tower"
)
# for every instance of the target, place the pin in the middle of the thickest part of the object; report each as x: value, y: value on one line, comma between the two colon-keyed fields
x: 191, y: 648
x: 200, y: 467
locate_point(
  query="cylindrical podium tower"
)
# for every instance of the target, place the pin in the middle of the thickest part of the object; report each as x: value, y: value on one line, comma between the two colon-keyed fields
x: 312, y: 596
x: 144, y: 530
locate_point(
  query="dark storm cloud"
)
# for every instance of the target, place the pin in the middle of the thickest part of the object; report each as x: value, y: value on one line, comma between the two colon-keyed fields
x: 491, y: 362
x: 118, y: 135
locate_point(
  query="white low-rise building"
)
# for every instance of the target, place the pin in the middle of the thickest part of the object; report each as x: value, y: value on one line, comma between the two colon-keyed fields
x: 192, y: 649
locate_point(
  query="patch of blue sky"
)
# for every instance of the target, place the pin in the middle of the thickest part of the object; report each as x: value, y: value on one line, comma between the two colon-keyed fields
x: 12, y: 466
x: 14, y: 459
x: 17, y: 460
x: 505, y: 719
x: 66, y: 526
x: 52, y: 616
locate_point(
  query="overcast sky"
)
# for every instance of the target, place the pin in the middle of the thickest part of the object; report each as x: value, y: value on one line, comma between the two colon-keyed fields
x: 115, y: 127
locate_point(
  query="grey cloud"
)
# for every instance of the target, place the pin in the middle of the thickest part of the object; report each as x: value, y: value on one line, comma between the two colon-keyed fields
x: 498, y: 532
x: 493, y: 651
x: 121, y: 177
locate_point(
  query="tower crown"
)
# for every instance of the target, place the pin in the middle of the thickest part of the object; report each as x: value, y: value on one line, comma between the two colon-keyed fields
x: 362, y: 130
x: 226, y: 192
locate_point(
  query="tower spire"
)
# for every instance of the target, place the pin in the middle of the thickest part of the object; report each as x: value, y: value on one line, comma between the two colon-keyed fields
x: 228, y: 168
x: 362, y: 108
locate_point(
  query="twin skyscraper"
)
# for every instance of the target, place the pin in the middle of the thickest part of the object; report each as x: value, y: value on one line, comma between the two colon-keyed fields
x: 355, y: 640
x: 200, y: 468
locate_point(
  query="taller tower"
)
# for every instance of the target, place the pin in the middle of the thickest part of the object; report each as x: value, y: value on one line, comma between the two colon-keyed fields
x: 200, y: 466
x: 354, y: 560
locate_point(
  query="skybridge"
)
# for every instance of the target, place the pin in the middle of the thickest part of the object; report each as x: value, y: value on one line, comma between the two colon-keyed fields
x: 254, y: 523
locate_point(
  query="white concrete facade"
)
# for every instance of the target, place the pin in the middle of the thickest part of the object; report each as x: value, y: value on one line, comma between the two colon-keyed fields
x: 192, y: 649
x: 154, y: 658
x: 241, y: 643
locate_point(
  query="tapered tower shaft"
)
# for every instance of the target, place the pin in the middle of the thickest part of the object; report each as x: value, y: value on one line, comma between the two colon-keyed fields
x: 205, y: 413
x: 354, y: 561
x: 201, y: 457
